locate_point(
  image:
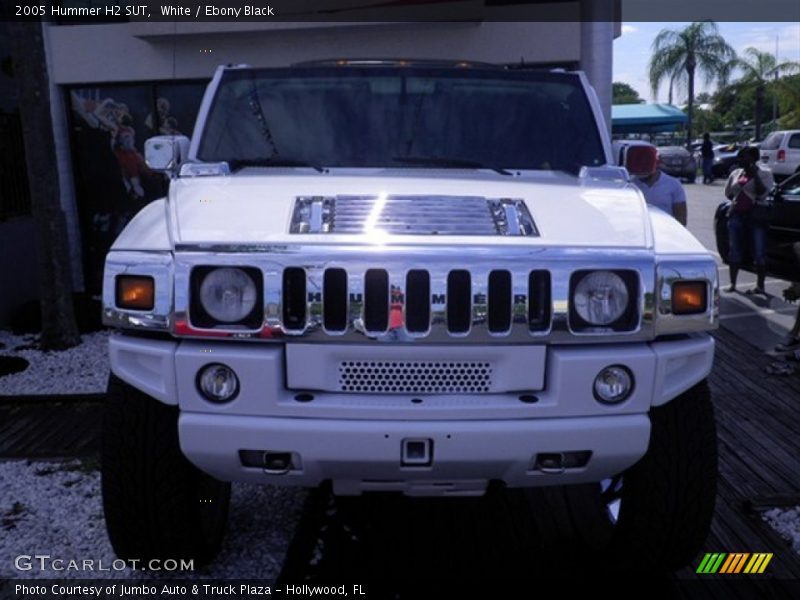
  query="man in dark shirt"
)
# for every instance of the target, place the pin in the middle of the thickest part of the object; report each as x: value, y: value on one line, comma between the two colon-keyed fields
x: 707, y: 151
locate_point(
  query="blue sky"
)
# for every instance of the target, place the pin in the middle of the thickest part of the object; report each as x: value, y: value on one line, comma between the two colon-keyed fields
x: 632, y: 49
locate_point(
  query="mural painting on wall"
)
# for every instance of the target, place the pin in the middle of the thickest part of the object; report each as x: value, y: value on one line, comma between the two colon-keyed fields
x: 113, y: 181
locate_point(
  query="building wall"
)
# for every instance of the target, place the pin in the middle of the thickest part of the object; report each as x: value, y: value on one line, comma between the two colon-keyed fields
x: 134, y: 52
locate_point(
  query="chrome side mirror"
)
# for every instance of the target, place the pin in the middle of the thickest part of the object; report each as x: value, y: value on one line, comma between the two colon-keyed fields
x: 166, y: 153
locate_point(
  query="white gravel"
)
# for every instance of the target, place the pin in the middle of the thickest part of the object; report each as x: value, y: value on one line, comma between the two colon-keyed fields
x: 80, y: 370
x: 55, y: 508
x: 787, y: 523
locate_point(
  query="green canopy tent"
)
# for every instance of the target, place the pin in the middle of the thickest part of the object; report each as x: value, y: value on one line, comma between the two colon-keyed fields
x: 646, y: 118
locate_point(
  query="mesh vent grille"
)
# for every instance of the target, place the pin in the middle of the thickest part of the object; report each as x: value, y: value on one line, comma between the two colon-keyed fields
x: 415, y: 377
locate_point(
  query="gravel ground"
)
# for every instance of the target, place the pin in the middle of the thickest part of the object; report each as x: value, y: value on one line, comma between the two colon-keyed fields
x: 55, y: 508
x: 787, y: 523
x: 80, y: 370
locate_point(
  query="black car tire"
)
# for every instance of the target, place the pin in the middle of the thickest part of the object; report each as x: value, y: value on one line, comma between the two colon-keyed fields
x: 666, y: 500
x: 721, y: 230
x: 157, y: 504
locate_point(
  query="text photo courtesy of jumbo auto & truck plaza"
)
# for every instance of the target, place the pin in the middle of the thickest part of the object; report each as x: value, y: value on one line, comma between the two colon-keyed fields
x: 366, y: 299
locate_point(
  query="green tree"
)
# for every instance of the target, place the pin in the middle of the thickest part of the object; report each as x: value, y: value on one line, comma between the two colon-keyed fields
x: 757, y: 68
x: 622, y: 93
x: 678, y: 56
x: 788, y: 89
x: 703, y: 98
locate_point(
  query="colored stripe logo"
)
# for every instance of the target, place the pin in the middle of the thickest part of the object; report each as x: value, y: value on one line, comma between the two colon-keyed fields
x: 734, y: 562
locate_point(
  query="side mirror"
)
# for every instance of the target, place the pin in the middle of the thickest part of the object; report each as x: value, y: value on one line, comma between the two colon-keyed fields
x: 166, y: 153
x: 641, y: 160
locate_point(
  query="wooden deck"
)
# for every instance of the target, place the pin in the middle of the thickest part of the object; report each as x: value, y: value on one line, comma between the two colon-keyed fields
x: 384, y: 537
x: 50, y: 428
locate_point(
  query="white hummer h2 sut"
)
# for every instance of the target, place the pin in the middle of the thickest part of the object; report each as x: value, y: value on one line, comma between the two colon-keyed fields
x: 406, y: 276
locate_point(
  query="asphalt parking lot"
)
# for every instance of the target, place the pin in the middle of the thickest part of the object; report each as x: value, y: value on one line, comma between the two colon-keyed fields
x: 763, y: 322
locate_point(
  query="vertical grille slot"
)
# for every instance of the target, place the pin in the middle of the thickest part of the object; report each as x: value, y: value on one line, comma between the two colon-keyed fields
x: 294, y: 298
x: 376, y: 300
x: 334, y: 299
x: 539, y: 301
x: 459, y: 306
x: 499, y: 301
x: 418, y: 301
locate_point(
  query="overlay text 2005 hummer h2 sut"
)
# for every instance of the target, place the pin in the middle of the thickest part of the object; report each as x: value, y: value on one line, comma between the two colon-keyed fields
x: 413, y: 277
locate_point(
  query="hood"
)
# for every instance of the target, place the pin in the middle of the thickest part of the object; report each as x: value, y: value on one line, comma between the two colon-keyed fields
x: 255, y: 206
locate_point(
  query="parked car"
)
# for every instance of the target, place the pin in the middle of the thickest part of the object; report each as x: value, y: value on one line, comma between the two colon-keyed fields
x: 780, y: 151
x: 678, y: 162
x: 783, y: 232
x: 725, y: 159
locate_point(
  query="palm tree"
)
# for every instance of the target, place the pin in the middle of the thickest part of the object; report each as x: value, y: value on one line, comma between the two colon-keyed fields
x: 757, y: 69
x: 679, y: 55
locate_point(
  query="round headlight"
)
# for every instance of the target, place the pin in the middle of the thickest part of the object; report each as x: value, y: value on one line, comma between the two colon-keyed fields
x: 601, y: 297
x: 613, y: 384
x: 228, y: 294
x: 218, y: 383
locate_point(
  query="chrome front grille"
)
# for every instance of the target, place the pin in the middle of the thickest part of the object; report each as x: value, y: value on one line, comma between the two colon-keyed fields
x: 416, y: 304
x: 416, y: 377
x: 432, y: 294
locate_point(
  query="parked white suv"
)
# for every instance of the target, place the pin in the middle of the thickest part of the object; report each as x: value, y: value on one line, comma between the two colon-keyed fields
x: 407, y: 276
x: 780, y: 151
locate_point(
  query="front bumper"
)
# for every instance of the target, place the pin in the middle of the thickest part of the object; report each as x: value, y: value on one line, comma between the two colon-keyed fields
x: 355, y: 440
x: 359, y: 456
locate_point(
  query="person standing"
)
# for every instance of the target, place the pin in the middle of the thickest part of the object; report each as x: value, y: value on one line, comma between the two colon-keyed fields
x: 707, y: 152
x: 748, y: 189
x: 659, y: 189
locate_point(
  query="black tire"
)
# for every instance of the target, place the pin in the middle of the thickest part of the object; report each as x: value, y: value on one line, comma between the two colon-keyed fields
x: 157, y: 504
x: 666, y: 500
x: 721, y: 230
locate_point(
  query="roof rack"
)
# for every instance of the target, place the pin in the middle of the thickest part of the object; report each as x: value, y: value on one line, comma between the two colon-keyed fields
x: 397, y: 62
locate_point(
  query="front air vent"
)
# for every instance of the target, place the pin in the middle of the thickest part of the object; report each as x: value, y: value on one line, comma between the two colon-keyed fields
x: 459, y: 305
x: 499, y: 301
x: 423, y: 214
x: 418, y: 295
x: 334, y: 300
x: 415, y: 377
x: 376, y: 300
x: 294, y: 299
x: 540, y: 303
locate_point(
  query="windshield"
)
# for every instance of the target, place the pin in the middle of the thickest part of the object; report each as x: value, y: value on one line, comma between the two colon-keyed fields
x: 402, y: 117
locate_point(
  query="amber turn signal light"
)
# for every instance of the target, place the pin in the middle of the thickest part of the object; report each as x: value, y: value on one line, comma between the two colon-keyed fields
x: 135, y: 292
x: 689, y: 297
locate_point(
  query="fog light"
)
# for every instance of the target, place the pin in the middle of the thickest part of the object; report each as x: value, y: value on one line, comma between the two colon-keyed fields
x: 613, y: 384
x: 218, y: 383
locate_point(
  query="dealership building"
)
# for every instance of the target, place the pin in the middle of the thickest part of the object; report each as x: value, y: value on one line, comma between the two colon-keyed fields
x: 114, y: 84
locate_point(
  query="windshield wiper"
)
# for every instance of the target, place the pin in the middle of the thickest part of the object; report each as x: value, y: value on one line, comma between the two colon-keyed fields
x: 274, y: 161
x: 444, y: 161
